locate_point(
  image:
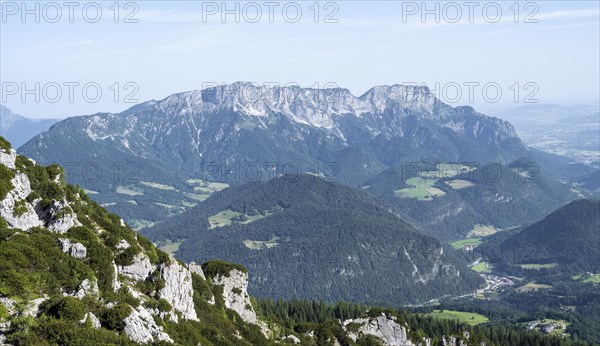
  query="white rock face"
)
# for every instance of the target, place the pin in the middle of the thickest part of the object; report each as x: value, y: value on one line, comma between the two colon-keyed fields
x: 139, y: 270
x: 93, y: 319
x: 196, y: 269
x: 383, y: 327
x: 140, y: 327
x: 60, y: 224
x: 76, y: 250
x: 178, y: 290
x: 292, y: 338
x: 21, y: 189
x: 235, y: 294
x: 123, y: 245
x: 86, y: 287
x: 33, y: 308
x: 8, y: 159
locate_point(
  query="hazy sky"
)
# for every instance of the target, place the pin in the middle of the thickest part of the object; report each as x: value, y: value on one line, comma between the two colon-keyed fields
x: 551, y: 52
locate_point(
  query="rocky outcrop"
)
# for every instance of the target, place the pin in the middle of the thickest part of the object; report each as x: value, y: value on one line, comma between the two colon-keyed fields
x: 21, y: 189
x: 86, y: 287
x: 384, y: 327
x: 123, y: 245
x: 197, y: 269
x: 93, y: 320
x: 8, y: 158
x: 60, y: 217
x: 178, y: 290
x: 33, y: 308
x: 139, y: 270
x: 76, y: 250
x: 141, y: 327
x: 235, y: 294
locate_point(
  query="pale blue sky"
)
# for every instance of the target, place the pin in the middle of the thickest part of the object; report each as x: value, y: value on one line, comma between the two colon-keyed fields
x: 172, y: 49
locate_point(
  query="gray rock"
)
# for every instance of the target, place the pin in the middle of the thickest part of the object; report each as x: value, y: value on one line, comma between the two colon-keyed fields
x: 86, y: 287
x: 383, y: 327
x: 139, y: 270
x: 123, y: 245
x: 21, y: 189
x: 196, y: 269
x: 33, y: 308
x: 237, y: 281
x: 92, y: 318
x: 293, y: 339
x: 178, y: 290
x: 141, y: 327
x: 60, y: 219
x: 8, y: 159
x: 76, y: 250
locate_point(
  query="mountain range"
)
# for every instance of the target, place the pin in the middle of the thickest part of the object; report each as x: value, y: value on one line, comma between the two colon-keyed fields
x: 18, y: 129
x: 158, y: 158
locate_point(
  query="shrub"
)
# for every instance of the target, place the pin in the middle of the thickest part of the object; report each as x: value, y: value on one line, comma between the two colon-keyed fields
x: 164, y: 305
x: 4, y: 144
x: 201, y: 287
x: 113, y: 318
x: 214, y: 268
x: 126, y: 257
x: 6, y: 175
x: 3, y: 312
x: 66, y: 308
x: 20, y: 208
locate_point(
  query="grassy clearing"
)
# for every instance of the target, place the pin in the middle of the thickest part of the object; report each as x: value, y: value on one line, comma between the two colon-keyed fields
x: 458, y: 184
x: 447, y: 170
x: 587, y: 278
x: 532, y: 286
x: 223, y: 218
x: 481, y: 267
x: 422, y: 189
x: 139, y: 224
x: 169, y: 206
x: 197, y: 197
x: 217, y: 186
x: 470, y: 318
x: 159, y: 186
x: 170, y: 247
x: 261, y: 245
x: 188, y: 204
x: 482, y: 231
x: 537, y: 266
x: 463, y: 243
x: 130, y: 191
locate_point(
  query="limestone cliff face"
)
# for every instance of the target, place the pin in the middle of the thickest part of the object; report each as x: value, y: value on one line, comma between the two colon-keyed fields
x: 56, y: 216
x: 235, y: 294
x: 384, y: 327
x: 178, y: 290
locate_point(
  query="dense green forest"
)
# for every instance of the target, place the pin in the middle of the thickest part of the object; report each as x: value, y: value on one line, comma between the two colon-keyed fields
x: 566, y: 241
x: 301, y: 314
x: 467, y: 194
x: 303, y: 237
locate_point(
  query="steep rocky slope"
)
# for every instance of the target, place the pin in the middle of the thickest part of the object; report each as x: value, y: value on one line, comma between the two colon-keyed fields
x: 73, y: 274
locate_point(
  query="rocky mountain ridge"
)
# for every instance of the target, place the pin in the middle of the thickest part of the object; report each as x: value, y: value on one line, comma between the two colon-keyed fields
x: 226, y: 133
